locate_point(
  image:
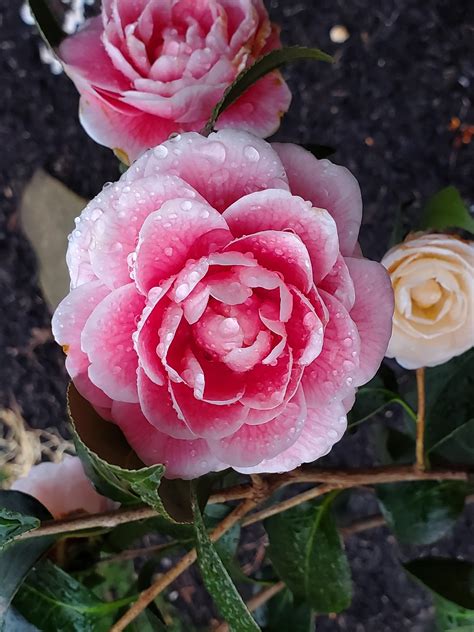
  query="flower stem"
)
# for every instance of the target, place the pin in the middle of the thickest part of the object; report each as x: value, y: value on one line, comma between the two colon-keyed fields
x: 420, y: 420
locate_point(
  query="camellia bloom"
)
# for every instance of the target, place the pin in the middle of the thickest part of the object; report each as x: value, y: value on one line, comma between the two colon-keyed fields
x: 63, y: 488
x: 433, y: 281
x: 220, y: 313
x: 148, y: 68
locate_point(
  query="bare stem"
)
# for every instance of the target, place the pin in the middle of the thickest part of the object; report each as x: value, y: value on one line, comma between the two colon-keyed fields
x: 267, y: 485
x: 147, y: 596
x: 420, y: 420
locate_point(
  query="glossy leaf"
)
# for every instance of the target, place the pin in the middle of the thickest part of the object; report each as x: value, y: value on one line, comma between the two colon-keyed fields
x: 371, y: 401
x: 392, y: 446
x: 450, y: 579
x: 17, y: 515
x: 54, y: 601
x: 308, y: 555
x: 217, y: 580
x: 273, y: 60
x: 17, y: 559
x: 458, y: 445
x: 47, y: 22
x: 447, y: 209
x: 450, y: 406
x: 421, y: 512
x: 116, y: 470
x: 284, y: 614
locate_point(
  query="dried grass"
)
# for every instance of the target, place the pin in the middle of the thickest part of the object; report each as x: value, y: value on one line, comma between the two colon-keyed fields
x: 21, y: 447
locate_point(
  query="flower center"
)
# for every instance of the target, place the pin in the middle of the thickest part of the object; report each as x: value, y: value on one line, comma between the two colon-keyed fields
x: 426, y: 294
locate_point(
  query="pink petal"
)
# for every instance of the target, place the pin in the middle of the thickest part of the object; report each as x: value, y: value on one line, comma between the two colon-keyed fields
x: 280, y: 251
x: 107, y: 340
x: 195, y: 304
x: 131, y: 133
x: 221, y: 168
x: 182, y: 458
x: 338, y: 282
x: 372, y: 313
x: 116, y: 230
x: 327, y: 186
x: 63, y: 488
x: 221, y: 384
x: 146, y: 339
x: 279, y: 210
x: 243, y: 359
x: 157, y: 406
x: 324, y: 426
x: 167, y: 237
x: 253, y: 443
x: 266, y: 385
x: 76, y: 51
x: 260, y: 108
x: 67, y: 325
x: 208, y: 421
x: 305, y: 330
x: 334, y: 372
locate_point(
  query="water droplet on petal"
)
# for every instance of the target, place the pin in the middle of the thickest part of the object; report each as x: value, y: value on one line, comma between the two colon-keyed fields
x: 251, y: 153
x: 186, y: 205
x: 168, y: 252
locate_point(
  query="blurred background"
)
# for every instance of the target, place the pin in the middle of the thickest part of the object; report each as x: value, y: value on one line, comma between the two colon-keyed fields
x: 396, y: 105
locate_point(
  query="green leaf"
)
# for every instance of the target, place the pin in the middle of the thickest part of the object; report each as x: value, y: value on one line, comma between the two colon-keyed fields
x: 447, y: 209
x: 450, y: 406
x: 17, y: 558
x: 46, y: 21
x: 284, y: 614
x: 370, y: 401
x: 17, y: 515
x: 217, y: 580
x: 392, y: 446
x: 116, y: 470
x: 259, y: 69
x: 421, y: 512
x: 450, y: 579
x: 308, y: 555
x: 451, y: 617
x: 458, y: 445
x: 54, y: 601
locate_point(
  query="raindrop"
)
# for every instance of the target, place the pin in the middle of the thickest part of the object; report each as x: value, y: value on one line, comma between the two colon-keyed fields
x: 215, y: 151
x: 251, y: 153
x: 186, y: 205
x: 107, y: 185
x: 168, y: 252
x: 175, y: 137
x: 96, y: 213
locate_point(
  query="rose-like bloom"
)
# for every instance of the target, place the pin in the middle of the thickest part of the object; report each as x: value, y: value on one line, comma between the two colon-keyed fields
x: 63, y: 488
x: 433, y: 281
x: 148, y: 68
x: 218, y: 314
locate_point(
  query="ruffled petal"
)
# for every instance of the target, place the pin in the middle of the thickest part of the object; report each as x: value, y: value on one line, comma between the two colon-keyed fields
x: 107, y: 340
x: 327, y: 186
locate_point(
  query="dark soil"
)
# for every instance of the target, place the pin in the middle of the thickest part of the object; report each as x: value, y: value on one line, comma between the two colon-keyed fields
x: 386, y: 105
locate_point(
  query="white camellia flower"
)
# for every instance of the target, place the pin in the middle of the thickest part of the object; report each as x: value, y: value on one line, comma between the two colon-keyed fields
x: 433, y: 281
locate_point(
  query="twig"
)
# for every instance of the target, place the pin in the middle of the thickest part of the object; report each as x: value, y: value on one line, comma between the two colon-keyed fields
x: 364, y: 524
x: 334, y: 479
x: 147, y: 596
x: 287, y: 504
x: 420, y: 420
x: 131, y: 554
x: 256, y: 602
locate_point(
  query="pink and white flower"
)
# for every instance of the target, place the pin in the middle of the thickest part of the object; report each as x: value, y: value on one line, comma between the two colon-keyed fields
x: 220, y: 312
x: 148, y: 68
x: 63, y: 488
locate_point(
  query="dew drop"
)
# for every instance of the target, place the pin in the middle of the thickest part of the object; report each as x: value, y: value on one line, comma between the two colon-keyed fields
x: 251, y: 153
x: 215, y: 151
x: 96, y: 213
x: 186, y: 205
x: 168, y: 252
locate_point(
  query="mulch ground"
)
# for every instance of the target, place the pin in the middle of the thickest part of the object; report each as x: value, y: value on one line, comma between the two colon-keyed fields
x: 394, y: 105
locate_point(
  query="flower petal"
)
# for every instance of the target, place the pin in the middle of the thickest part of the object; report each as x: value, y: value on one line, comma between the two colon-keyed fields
x: 167, y: 237
x: 253, y: 443
x: 275, y: 209
x: 372, y: 313
x: 327, y: 186
x: 182, y: 458
x: 107, y: 340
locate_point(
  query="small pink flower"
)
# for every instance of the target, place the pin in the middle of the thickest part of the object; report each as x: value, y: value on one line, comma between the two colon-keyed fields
x: 220, y: 311
x: 148, y: 68
x: 63, y: 488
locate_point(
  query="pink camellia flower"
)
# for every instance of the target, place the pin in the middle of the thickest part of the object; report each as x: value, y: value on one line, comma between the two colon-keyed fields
x: 63, y: 488
x: 220, y: 311
x: 147, y: 68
